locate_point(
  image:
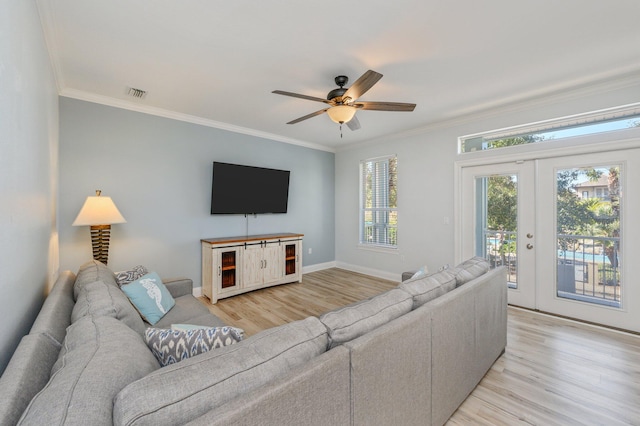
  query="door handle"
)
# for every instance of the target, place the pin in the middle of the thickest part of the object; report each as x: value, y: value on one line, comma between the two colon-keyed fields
x: 529, y: 246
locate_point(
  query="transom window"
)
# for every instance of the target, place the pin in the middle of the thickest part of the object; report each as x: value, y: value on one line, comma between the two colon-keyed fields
x: 609, y: 120
x: 378, y: 202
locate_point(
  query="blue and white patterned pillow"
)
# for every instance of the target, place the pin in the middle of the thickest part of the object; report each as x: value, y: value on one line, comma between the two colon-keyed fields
x: 150, y: 297
x: 171, y: 346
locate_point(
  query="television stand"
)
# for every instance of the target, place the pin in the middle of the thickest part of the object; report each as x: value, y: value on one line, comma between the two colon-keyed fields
x: 235, y: 265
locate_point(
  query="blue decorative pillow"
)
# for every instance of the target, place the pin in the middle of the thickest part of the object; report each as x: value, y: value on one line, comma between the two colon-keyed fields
x: 171, y: 346
x: 150, y: 297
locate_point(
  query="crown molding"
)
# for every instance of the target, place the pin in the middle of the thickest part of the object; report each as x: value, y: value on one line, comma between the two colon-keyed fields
x: 173, y: 115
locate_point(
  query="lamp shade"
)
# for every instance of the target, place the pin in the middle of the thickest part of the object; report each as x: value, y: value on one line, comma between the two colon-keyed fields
x: 341, y: 113
x: 98, y: 210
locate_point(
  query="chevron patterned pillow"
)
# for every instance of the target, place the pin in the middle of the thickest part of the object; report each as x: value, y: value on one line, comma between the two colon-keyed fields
x: 171, y: 346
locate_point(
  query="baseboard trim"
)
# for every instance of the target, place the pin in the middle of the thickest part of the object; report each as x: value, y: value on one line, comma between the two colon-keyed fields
x: 318, y: 267
x: 370, y: 271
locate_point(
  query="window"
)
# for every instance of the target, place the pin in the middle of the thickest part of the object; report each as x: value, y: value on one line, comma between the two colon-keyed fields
x: 609, y: 120
x: 602, y: 193
x: 378, y: 202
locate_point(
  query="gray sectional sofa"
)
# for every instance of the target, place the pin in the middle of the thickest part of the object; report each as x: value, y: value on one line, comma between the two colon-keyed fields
x: 409, y: 356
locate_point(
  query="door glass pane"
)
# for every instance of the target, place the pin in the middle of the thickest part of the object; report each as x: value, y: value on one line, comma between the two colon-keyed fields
x: 588, y: 234
x: 497, y: 222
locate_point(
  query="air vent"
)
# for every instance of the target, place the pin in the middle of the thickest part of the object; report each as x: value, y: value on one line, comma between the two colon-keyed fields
x: 136, y: 93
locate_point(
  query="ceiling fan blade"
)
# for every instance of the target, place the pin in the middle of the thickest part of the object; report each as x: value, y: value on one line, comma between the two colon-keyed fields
x: 313, y: 114
x: 364, y: 83
x: 353, y: 124
x: 297, y: 95
x: 385, y: 106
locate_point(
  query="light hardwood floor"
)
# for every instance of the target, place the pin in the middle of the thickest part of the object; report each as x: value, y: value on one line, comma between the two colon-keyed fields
x: 554, y: 371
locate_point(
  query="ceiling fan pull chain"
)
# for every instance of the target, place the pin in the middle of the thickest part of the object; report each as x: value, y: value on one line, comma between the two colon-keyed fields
x: 340, y: 130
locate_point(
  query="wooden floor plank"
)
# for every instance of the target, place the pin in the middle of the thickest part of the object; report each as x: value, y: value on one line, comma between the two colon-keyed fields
x: 554, y: 371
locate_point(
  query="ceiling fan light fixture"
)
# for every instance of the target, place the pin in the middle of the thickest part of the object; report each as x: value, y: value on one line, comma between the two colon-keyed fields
x: 341, y: 113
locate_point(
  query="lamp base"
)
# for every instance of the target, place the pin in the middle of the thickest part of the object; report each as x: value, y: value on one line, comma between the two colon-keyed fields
x: 100, y: 235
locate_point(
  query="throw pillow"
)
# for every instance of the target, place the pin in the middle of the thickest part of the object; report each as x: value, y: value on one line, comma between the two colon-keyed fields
x: 420, y: 272
x: 150, y: 297
x: 171, y: 346
x: 185, y: 327
x: 129, y: 276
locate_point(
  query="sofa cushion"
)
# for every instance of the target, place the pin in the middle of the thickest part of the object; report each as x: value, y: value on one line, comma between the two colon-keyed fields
x: 352, y: 321
x: 470, y: 269
x: 90, y: 272
x: 429, y: 287
x: 171, y: 346
x: 150, y: 297
x: 100, y: 356
x: 100, y: 299
x: 130, y: 275
x: 184, y: 391
x: 189, y: 310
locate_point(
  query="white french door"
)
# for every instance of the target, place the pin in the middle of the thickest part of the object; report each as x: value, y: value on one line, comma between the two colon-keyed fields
x: 588, y: 274
x: 498, y: 222
x: 566, y: 228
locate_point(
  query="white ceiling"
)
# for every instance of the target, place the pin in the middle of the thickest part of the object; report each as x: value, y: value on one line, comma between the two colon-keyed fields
x: 216, y: 62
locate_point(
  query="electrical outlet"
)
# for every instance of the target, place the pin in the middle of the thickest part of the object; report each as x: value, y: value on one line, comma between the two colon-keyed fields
x: 310, y: 251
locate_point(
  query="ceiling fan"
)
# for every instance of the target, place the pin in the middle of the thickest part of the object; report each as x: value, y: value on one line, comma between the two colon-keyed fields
x: 343, y: 102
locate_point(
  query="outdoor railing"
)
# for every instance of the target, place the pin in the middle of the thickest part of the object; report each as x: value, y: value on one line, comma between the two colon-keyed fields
x: 589, y: 269
x: 500, y: 250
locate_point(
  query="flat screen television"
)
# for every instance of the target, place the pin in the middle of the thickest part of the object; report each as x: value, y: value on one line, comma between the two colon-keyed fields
x: 238, y: 189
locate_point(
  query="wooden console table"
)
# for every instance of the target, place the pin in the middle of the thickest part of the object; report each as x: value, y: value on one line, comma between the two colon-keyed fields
x: 235, y: 265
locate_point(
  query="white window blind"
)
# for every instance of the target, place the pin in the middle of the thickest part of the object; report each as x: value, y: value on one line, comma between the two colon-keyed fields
x: 378, y: 202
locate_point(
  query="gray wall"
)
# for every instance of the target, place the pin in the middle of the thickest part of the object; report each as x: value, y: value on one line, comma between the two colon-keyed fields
x: 28, y: 172
x: 158, y: 172
x: 426, y: 165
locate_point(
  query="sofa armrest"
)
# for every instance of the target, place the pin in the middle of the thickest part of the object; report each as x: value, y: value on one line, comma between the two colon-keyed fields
x: 27, y: 373
x: 179, y: 286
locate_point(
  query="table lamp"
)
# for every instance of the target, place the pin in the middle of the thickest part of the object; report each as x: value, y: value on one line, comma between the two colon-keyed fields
x: 100, y: 213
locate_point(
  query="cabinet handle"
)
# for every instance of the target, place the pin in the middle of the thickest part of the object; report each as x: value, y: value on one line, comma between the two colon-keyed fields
x: 265, y: 263
x: 219, y: 270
